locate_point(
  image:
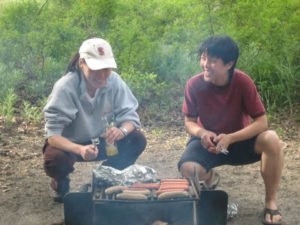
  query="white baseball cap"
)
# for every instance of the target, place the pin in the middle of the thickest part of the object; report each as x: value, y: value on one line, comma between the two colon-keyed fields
x: 97, y: 54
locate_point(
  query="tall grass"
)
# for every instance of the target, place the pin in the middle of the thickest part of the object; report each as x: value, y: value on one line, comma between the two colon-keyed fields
x: 7, y: 107
x: 33, y: 113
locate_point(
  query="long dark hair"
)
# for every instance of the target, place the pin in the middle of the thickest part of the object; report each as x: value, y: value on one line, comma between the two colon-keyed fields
x: 73, y: 65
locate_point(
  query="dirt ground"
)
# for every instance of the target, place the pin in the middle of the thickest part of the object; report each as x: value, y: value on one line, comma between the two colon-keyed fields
x: 25, y: 195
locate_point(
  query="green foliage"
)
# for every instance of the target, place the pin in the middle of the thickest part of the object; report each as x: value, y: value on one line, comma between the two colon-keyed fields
x: 8, y: 79
x: 158, y: 132
x: 280, y: 131
x: 7, y: 107
x: 156, y: 98
x: 155, y: 44
x: 33, y: 113
x: 269, y: 56
x: 157, y: 36
x: 146, y: 86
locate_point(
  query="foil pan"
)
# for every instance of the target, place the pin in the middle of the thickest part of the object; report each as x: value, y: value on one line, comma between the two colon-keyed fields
x: 110, y: 176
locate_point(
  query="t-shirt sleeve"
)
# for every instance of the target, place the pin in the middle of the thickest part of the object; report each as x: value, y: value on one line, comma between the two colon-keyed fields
x: 251, y: 100
x: 189, y: 107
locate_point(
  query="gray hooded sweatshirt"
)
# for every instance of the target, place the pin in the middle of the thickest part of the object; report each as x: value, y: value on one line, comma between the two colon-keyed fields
x: 71, y: 114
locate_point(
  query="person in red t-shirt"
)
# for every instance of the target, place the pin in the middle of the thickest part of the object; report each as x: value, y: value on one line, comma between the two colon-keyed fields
x: 228, y: 124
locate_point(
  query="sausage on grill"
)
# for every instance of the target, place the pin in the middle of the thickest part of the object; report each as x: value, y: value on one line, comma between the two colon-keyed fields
x: 173, y: 194
x: 131, y: 196
x: 138, y: 191
x: 115, y: 189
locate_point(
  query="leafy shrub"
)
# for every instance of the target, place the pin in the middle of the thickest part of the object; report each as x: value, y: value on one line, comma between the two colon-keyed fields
x: 160, y: 38
x: 7, y: 107
x: 158, y: 100
x: 33, y: 113
x: 8, y: 80
x: 145, y: 86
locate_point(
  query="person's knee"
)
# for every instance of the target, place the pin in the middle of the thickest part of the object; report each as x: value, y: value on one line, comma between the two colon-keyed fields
x: 58, y: 163
x: 269, y: 142
x: 139, y: 141
x: 142, y: 141
x: 190, y: 169
x: 56, y: 156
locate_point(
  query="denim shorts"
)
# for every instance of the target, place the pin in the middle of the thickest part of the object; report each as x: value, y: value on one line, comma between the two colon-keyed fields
x: 240, y: 153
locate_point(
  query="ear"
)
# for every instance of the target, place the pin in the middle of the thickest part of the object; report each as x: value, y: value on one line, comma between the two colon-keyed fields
x: 81, y: 62
x: 229, y: 65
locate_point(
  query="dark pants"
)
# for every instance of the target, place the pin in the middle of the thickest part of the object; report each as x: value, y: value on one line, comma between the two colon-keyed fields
x: 58, y: 163
x: 240, y: 153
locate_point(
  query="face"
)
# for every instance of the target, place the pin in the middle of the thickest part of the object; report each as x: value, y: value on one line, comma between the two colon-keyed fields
x: 95, y: 78
x: 214, y: 69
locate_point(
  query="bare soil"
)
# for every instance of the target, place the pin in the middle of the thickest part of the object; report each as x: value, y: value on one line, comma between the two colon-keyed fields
x: 26, y: 197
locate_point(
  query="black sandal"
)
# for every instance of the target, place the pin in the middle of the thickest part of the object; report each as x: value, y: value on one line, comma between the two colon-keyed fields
x: 272, y: 212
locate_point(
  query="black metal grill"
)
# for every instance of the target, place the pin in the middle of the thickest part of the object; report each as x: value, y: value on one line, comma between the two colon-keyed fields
x: 94, y: 208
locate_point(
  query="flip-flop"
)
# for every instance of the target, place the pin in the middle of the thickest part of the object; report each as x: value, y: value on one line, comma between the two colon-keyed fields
x: 272, y: 212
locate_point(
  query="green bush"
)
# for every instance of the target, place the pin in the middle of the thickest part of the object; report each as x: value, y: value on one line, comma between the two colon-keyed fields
x: 157, y: 99
x: 8, y: 80
x: 157, y: 38
x: 7, y: 107
x: 145, y: 86
x: 33, y: 113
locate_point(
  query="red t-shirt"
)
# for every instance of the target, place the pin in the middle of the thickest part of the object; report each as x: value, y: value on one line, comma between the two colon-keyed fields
x: 222, y: 109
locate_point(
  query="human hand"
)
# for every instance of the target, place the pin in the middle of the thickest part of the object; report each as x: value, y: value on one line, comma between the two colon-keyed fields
x: 223, y: 141
x: 112, y: 134
x: 207, y: 140
x: 89, y: 152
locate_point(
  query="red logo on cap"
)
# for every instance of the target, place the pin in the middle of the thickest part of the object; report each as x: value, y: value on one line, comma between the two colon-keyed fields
x: 101, y: 51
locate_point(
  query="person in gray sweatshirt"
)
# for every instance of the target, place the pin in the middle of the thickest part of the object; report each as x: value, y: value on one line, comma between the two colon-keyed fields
x: 90, y: 115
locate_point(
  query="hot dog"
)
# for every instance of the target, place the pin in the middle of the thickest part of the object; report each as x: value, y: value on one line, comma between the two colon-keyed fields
x: 145, y: 185
x: 115, y: 189
x: 158, y: 192
x: 131, y: 196
x: 174, y: 181
x: 140, y: 191
x: 173, y: 194
x: 173, y: 186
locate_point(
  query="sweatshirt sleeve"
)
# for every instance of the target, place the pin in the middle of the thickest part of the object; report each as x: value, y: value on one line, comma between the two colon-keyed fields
x: 125, y: 104
x: 59, y: 111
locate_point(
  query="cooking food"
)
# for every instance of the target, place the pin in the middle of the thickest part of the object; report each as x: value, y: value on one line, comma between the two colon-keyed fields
x: 131, y: 196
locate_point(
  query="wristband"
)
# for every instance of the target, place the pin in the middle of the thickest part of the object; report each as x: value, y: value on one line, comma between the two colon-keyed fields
x: 124, y: 131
